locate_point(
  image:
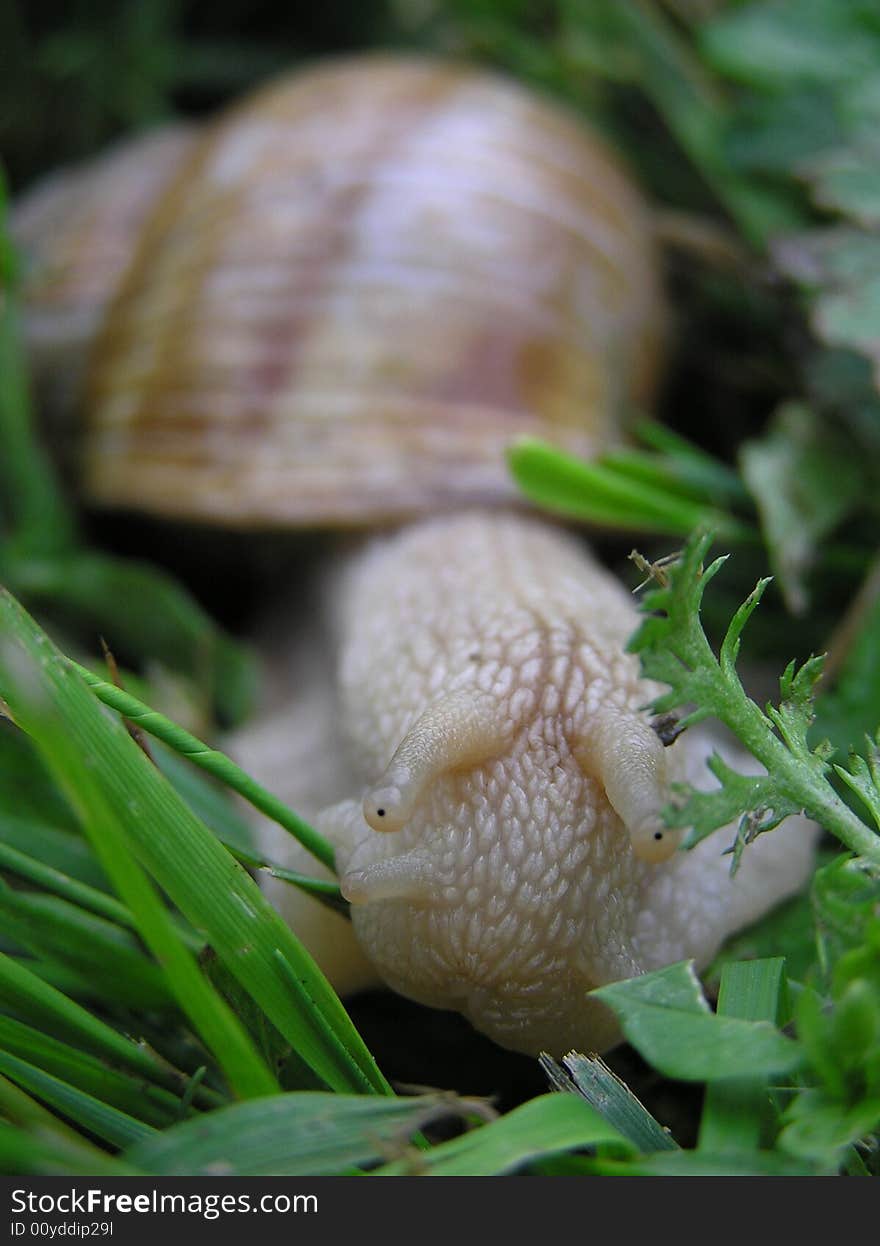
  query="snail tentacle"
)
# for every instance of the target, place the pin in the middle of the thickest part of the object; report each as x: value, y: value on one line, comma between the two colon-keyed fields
x: 624, y: 753
x: 461, y: 729
x: 412, y: 876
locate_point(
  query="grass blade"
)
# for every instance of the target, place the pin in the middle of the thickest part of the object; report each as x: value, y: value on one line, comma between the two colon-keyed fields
x: 97, y: 950
x: 45, y: 1006
x: 54, y: 1156
x: 49, y: 711
x: 735, y: 1112
x: 53, y: 846
x: 45, y: 1144
x: 705, y: 1164
x: 612, y: 1099
x: 606, y: 493
x: 47, y: 877
x: 132, y: 1095
x: 211, y: 761
x: 96, y: 758
x: 544, y: 1126
x: 105, y: 1122
x: 303, y: 1133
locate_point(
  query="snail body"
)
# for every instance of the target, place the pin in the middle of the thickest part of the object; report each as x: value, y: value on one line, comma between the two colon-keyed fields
x: 348, y: 297
x: 501, y: 844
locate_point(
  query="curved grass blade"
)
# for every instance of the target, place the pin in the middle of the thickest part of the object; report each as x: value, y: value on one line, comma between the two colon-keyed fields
x: 604, y: 493
x: 542, y: 1127
x: 100, y: 1119
x: 80, y: 894
x: 211, y: 761
x: 50, y: 711
x: 27, y: 995
x: 211, y: 804
x: 306, y: 1133
x: 53, y: 1156
x: 705, y: 1164
x: 209, y: 887
x: 132, y: 1095
x: 591, y: 1077
x: 100, y: 952
x: 44, y: 1143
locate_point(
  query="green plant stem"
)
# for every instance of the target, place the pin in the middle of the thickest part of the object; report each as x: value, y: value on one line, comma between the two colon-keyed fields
x: 210, y: 760
x: 747, y: 721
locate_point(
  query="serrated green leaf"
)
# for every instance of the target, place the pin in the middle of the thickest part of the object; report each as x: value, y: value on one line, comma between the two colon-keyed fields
x: 847, y: 180
x: 674, y: 650
x: 776, y: 134
x: 862, y: 776
x: 845, y: 896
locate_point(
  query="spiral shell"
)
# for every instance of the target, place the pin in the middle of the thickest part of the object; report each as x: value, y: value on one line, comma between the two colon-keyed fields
x: 367, y: 280
x: 75, y: 231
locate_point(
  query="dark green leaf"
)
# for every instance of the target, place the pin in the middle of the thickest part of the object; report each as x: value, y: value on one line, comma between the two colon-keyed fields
x: 666, y: 1018
x: 820, y: 1129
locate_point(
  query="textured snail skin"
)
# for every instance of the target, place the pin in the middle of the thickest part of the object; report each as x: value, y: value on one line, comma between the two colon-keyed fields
x: 498, y: 843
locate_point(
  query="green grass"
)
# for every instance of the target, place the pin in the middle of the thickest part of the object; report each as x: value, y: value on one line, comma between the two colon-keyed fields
x: 156, y: 1016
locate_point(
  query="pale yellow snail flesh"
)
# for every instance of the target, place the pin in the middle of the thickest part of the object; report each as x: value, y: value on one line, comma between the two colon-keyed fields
x: 499, y: 846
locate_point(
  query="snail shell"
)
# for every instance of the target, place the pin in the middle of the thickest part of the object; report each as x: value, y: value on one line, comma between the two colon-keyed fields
x: 77, y: 230
x: 363, y: 282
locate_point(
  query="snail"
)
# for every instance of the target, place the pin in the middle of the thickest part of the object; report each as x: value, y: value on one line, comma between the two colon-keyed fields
x: 345, y: 299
